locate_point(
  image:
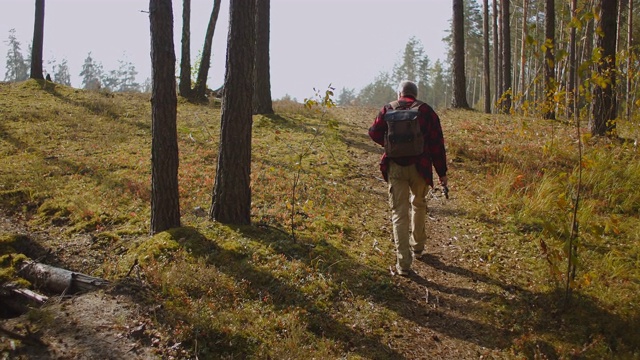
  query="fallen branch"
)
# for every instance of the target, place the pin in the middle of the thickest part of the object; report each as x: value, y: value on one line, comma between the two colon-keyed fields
x: 19, y: 299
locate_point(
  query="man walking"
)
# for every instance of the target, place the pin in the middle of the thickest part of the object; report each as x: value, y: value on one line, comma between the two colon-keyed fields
x: 407, y: 165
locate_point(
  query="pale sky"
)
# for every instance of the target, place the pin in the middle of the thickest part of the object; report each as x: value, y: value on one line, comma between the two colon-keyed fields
x: 314, y: 43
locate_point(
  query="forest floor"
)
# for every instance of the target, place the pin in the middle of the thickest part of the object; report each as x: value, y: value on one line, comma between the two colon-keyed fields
x: 75, y: 191
x: 445, y: 299
x: 443, y: 296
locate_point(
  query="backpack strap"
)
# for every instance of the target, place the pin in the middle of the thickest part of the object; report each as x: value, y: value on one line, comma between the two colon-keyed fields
x: 396, y: 104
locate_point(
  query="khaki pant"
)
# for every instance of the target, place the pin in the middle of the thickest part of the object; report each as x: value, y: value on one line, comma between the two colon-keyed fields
x: 407, y: 197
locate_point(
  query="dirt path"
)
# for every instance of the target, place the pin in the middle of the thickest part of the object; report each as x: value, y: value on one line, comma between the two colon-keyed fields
x: 105, y: 324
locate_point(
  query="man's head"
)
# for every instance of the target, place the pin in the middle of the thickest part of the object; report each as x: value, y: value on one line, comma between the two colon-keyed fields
x: 407, y: 88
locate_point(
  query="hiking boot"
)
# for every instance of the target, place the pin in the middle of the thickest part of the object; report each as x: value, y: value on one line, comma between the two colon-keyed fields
x: 418, y: 254
x: 402, y: 272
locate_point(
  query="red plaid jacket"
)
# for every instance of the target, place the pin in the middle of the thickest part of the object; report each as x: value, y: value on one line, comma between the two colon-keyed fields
x: 434, y: 151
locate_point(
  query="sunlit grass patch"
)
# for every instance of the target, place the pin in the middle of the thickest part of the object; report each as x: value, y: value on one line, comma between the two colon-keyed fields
x: 309, y: 278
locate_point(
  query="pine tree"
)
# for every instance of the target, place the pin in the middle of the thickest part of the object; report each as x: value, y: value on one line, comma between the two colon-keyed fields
x: 165, y: 199
x: 17, y: 68
x: 231, y: 200
x: 61, y: 73
x: 127, y: 75
x: 379, y: 92
x: 346, y: 97
x: 91, y: 74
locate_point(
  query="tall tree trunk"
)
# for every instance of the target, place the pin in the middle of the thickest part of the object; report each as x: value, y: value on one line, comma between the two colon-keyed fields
x: 205, y: 62
x: 523, y: 57
x: 185, y: 58
x: 232, y: 192
x: 262, y: 103
x: 497, y: 68
x: 629, y: 47
x: 585, y: 54
x: 38, y: 40
x: 604, y: 100
x: 506, y: 57
x: 571, y: 82
x: 459, y: 81
x: 485, y: 58
x: 165, y: 204
x: 549, y: 63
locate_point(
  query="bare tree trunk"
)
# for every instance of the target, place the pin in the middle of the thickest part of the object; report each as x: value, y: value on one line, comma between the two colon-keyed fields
x: 199, y: 91
x: 165, y: 204
x: 549, y: 69
x: 232, y: 192
x: 629, y: 47
x: 585, y: 55
x: 497, y: 50
x: 459, y: 81
x: 38, y: 40
x: 506, y: 57
x: 185, y: 55
x: 485, y: 58
x: 262, y: 103
x: 571, y: 83
x: 523, y: 57
x: 604, y: 99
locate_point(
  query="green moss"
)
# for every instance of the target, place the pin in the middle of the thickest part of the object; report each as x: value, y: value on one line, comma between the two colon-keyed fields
x: 9, y: 265
x: 15, y: 200
x: 13, y: 243
x: 53, y: 210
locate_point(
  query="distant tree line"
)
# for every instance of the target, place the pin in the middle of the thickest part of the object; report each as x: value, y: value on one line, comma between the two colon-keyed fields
x: 93, y: 75
x: 534, y: 57
x: 549, y: 58
x: 433, y: 80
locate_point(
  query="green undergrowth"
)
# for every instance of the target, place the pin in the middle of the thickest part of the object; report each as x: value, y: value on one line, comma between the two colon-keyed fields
x: 520, y: 182
x: 78, y: 161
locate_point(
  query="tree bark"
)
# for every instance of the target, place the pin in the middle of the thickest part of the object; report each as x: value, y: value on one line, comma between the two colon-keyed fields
x: 549, y: 68
x: 523, y: 57
x: 604, y: 101
x: 185, y: 55
x: 571, y: 83
x: 629, y: 49
x: 232, y: 193
x: 262, y: 103
x: 199, y: 91
x: 506, y: 57
x: 459, y: 81
x: 486, y: 58
x: 496, y: 54
x: 38, y: 40
x: 165, y: 204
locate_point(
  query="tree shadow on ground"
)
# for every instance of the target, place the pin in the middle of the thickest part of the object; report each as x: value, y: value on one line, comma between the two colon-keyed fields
x: 361, y: 280
x: 532, y: 317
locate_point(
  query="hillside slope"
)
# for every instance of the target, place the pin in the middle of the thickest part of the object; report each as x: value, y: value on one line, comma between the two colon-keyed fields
x: 310, y: 277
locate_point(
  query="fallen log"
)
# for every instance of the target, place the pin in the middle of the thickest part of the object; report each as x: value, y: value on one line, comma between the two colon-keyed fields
x: 57, y: 280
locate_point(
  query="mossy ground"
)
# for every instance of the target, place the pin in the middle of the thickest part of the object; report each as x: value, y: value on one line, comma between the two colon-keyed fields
x: 309, y: 278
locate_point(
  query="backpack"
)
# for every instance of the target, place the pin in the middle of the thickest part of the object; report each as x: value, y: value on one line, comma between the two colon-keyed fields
x: 404, y: 136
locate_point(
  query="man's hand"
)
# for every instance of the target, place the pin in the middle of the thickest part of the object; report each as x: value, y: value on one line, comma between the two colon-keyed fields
x: 445, y: 189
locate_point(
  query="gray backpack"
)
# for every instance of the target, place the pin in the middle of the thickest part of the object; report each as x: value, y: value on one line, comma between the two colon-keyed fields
x: 403, y: 136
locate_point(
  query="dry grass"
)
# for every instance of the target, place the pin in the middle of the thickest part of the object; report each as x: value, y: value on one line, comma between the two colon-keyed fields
x: 79, y: 161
